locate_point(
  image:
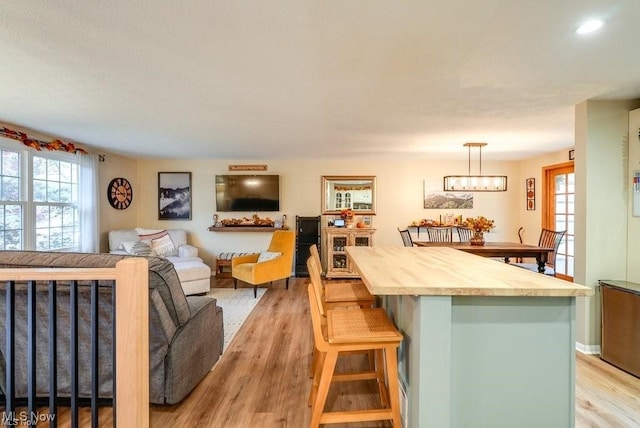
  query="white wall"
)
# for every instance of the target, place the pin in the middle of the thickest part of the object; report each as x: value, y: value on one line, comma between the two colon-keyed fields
x: 602, y: 132
x: 399, y: 196
x: 111, y: 218
x: 531, y: 221
x: 633, y: 224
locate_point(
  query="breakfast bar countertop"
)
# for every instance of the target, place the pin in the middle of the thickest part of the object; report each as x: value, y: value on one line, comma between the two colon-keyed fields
x: 438, y: 271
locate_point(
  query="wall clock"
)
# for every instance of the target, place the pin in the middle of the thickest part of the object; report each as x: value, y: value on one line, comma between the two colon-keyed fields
x: 120, y: 193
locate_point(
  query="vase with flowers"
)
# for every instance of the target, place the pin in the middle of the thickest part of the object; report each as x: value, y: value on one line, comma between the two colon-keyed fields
x: 479, y: 225
x: 347, y: 215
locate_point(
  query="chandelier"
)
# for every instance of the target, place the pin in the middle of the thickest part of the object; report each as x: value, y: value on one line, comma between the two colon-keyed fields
x: 475, y: 183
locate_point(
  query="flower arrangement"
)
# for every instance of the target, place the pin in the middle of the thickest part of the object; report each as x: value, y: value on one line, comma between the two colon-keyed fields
x: 346, y: 213
x: 479, y: 224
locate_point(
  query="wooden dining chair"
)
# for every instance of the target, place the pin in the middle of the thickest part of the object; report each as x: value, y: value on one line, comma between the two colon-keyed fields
x: 347, y: 331
x: 464, y: 233
x: 406, y: 237
x: 548, y: 239
x: 440, y: 234
x: 520, y: 259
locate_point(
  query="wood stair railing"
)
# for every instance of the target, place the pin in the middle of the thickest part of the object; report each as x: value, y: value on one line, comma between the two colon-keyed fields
x: 131, y: 378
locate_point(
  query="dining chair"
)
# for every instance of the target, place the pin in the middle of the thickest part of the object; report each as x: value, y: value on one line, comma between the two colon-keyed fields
x: 341, y: 331
x: 520, y: 230
x: 548, y: 239
x: 406, y: 237
x: 440, y: 233
x: 464, y: 233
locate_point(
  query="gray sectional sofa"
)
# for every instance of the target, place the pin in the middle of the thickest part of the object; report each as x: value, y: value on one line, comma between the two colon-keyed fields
x: 185, y: 335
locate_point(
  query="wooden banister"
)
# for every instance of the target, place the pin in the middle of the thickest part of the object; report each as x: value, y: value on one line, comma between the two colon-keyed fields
x: 132, y: 346
x: 132, y: 328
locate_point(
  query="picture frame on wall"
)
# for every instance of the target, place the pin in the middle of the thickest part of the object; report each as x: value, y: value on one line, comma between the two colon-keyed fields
x: 174, y: 196
x: 436, y: 199
x: 530, y: 190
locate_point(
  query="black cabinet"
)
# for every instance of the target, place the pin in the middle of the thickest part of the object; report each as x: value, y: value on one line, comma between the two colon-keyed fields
x: 307, y: 234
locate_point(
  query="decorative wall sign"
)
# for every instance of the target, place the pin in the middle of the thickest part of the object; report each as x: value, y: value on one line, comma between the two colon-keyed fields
x: 174, y: 196
x: 531, y: 194
x: 247, y: 167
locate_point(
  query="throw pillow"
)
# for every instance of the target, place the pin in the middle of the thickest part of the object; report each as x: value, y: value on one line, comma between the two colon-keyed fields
x: 138, y: 248
x: 143, y: 231
x: 163, y: 246
x: 148, y: 237
x: 265, y: 256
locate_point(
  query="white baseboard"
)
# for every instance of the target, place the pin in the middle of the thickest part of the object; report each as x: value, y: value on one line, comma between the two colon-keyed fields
x: 588, y: 349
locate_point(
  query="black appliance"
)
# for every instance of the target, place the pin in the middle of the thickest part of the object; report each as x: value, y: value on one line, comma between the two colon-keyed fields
x: 307, y: 234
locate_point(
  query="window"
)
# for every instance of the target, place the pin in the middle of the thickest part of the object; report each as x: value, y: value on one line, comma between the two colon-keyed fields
x: 11, y: 209
x: 55, y: 197
x: 38, y: 200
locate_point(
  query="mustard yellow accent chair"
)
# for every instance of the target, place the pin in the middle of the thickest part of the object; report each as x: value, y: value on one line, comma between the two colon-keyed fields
x: 248, y: 269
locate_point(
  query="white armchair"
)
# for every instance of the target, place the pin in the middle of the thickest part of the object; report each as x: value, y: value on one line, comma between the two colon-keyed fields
x: 194, y: 275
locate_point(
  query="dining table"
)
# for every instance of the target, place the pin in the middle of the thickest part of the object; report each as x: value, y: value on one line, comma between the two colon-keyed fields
x: 505, y: 250
x: 485, y: 344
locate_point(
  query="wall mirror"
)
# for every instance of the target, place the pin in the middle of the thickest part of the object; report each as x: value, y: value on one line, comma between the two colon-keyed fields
x: 340, y: 192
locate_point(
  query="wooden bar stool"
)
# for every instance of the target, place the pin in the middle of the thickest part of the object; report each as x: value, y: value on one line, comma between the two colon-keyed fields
x: 342, y: 293
x: 336, y: 295
x: 346, y: 331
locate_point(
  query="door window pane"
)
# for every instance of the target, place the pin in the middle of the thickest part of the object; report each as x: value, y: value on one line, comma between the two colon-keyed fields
x: 561, y: 184
x: 571, y: 183
x: 562, y: 215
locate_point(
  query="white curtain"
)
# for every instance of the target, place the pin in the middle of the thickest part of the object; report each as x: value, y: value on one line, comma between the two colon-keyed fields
x: 88, y: 208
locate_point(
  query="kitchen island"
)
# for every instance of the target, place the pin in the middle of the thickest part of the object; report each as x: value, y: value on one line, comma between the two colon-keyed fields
x: 485, y: 344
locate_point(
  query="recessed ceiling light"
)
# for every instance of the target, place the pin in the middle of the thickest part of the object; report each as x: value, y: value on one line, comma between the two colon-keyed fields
x: 590, y: 26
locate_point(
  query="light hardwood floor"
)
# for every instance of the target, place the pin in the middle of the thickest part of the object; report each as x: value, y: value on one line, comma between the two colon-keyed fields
x: 261, y: 379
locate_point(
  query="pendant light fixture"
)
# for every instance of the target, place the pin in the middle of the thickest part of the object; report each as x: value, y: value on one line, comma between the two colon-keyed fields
x: 475, y: 183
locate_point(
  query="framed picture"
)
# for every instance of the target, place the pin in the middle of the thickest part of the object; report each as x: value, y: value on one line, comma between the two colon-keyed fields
x: 531, y: 193
x: 174, y: 196
x: 436, y: 199
x: 572, y: 154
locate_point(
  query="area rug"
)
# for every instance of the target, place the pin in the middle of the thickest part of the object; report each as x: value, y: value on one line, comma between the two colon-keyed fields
x: 236, y: 306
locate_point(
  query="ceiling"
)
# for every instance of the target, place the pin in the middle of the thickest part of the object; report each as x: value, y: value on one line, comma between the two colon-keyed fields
x: 293, y: 79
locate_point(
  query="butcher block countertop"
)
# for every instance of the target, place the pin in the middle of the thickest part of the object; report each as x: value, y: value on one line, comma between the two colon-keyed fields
x: 438, y: 271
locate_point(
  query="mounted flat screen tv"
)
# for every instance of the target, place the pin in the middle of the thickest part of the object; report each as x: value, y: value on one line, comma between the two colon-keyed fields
x: 248, y: 192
